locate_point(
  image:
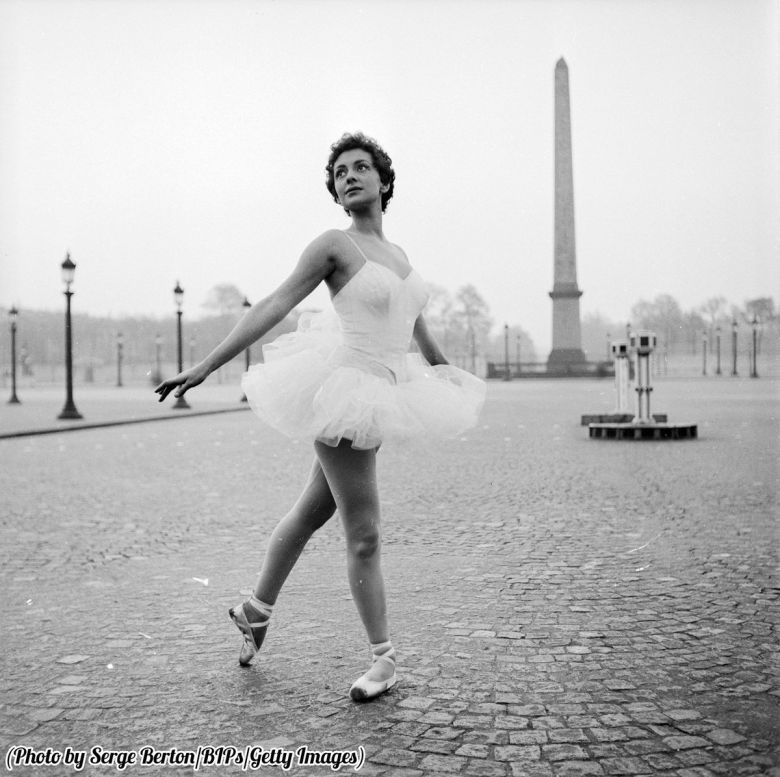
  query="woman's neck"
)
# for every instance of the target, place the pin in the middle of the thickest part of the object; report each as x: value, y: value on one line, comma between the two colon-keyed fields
x: 368, y: 223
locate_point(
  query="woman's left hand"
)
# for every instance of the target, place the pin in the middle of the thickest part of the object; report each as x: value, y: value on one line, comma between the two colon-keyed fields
x: 186, y: 380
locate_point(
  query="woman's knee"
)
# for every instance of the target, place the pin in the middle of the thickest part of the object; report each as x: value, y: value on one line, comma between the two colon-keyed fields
x: 365, y: 544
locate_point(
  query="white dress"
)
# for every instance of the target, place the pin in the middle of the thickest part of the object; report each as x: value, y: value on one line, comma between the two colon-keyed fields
x: 347, y: 373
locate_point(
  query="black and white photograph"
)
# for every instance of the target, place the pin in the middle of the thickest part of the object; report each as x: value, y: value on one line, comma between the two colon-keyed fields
x: 390, y: 387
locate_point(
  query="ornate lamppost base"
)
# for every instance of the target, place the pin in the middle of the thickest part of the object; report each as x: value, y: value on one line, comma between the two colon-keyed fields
x: 181, y: 404
x: 69, y: 413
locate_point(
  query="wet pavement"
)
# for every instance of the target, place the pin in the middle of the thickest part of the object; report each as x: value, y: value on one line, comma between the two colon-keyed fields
x: 560, y: 606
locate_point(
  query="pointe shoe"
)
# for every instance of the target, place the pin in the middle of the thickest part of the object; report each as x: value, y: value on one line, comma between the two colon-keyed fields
x: 254, y: 632
x: 364, y: 689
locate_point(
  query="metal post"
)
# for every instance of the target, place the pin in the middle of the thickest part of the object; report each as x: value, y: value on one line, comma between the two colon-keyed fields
x: 181, y: 402
x: 119, y: 360
x: 734, y: 326
x: 507, y: 375
x: 704, y: 353
x: 717, y: 340
x: 754, y: 323
x: 643, y: 344
x: 14, y: 400
x: 158, y: 365
x: 69, y: 410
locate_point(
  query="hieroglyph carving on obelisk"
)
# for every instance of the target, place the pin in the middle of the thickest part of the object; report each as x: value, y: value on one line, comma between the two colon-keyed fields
x: 566, y: 336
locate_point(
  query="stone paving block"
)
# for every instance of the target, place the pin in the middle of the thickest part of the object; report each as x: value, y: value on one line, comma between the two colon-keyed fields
x: 485, y: 769
x: 564, y: 752
x: 695, y: 757
x: 725, y: 736
x: 535, y: 737
x: 561, y: 735
x: 514, y: 753
x: 486, y: 737
x: 578, y: 769
x: 473, y: 751
x: 530, y: 769
x: 440, y: 746
x: 684, y: 742
x: 449, y: 764
x: 626, y: 766
x: 395, y: 757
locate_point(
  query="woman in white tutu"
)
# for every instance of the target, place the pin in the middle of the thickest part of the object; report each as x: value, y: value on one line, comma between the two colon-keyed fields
x: 346, y: 381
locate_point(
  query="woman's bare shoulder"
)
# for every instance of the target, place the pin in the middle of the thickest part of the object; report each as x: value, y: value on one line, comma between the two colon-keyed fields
x: 329, y: 243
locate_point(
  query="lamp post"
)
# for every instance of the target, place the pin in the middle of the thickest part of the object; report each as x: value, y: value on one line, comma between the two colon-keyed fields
x: 717, y: 340
x: 704, y: 352
x: 507, y: 376
x: 754, y: 324
x: 13, y: 313
x: 157, y: 362
x: 119, y: 347
x: 178, y: 298
x: 517, y: 353
x: 69, y: 411
x: 246, y: 304
x: 734, y: 327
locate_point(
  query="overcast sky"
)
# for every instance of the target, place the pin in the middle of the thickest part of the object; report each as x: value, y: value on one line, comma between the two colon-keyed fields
x: 171, y: 140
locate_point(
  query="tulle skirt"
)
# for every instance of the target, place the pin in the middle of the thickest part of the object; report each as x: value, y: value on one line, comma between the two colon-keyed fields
x: 310, y: 387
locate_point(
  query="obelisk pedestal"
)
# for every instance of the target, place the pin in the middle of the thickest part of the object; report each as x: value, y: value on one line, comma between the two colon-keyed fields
x: 567, y: 355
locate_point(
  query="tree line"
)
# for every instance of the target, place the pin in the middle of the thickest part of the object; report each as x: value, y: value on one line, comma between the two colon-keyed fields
x: 460, y: 321
x: 684, y: 332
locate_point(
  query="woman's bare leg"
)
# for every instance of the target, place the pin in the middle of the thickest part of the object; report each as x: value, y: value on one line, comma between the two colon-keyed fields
x: 351, y: 475
x: 315, y: 506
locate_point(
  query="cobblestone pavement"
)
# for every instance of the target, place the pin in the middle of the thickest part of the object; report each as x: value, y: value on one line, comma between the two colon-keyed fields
x: 561, y: 606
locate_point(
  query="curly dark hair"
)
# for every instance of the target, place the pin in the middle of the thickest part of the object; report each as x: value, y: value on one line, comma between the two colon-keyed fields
x: 382, y: 162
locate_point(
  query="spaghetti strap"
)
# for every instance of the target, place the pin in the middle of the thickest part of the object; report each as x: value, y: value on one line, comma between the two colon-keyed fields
x: 351, y: 240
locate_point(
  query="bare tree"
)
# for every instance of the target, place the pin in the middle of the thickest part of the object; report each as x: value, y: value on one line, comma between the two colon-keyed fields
x: 225, y: 299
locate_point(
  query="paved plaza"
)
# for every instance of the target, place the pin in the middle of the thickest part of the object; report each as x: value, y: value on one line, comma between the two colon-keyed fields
x: 560, y: 606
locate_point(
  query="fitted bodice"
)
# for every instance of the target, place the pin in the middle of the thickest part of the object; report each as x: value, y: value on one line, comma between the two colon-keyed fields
x: 377, y: 310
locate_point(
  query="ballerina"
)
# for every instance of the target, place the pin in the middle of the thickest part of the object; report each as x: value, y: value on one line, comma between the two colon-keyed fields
x: 346, y: 381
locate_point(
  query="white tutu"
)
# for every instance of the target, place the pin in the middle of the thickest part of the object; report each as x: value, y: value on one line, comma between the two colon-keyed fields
x: 310, y: 387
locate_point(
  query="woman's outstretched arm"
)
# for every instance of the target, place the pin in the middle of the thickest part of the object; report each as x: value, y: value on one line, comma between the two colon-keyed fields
x: 315, y: 264
x: 427, y: 344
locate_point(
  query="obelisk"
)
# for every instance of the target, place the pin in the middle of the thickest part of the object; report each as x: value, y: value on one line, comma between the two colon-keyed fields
x: 566, y: 355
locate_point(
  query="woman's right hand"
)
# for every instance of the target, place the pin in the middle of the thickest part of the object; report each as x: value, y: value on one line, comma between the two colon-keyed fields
x: 185, y: 380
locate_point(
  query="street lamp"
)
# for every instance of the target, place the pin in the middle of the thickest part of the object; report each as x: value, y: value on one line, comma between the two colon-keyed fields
x: 178, y: 298
x: 754, y: 324
x: 734, y: 327
x: 13, y: 313
x: 517, y: 353
x: 119, y: 346
x: 717, y: 340
x: 704, y: 352
x: 246, y: 304
x: 507, y: 376
x: 158, y: 365
x: 69, y: 411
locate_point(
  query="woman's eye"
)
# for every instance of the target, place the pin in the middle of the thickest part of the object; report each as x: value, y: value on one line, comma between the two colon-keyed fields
x: 339, y: 173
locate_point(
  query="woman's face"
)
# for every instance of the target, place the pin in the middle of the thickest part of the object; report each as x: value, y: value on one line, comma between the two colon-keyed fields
x: 356, y: 179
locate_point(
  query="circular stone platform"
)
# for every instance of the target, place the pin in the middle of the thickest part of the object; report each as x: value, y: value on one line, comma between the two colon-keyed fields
x: 642, y: 431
